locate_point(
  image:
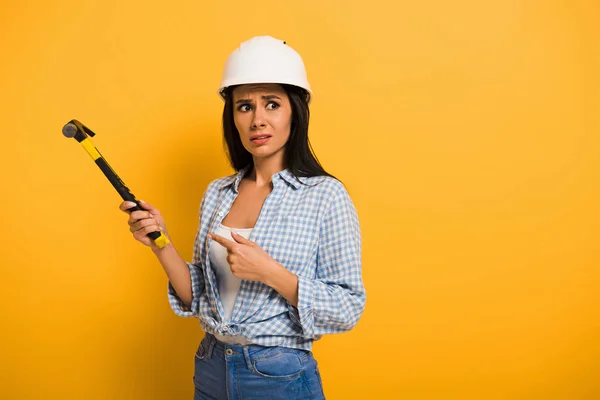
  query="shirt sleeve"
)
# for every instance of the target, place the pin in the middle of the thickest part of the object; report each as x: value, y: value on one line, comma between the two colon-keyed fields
x: 333, y: 301
x: 196, y: 276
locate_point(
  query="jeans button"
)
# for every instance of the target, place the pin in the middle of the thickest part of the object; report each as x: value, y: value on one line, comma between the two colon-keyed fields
x: 229, y: 352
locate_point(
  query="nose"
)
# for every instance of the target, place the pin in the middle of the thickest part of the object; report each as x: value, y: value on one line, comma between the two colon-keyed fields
x: 258, y: 120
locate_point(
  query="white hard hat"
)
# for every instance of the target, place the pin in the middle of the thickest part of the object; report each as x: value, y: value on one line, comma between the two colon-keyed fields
x: 264, y: 59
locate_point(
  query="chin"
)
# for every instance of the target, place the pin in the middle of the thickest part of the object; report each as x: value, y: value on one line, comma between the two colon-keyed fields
x: 262, y: 154
x: 264, y: 151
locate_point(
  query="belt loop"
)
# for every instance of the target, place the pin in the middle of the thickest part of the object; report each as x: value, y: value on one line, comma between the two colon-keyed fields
x: 211, y: 344
x: 247, y: 358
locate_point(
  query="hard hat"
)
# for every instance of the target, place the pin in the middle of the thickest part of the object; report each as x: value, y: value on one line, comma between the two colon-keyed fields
x: 264, y: 59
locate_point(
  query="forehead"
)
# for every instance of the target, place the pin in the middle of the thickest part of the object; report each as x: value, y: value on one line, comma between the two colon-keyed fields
x: 254, y: 89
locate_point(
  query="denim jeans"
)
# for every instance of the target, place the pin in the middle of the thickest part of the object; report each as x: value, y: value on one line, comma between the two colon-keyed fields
x: 231, y: 372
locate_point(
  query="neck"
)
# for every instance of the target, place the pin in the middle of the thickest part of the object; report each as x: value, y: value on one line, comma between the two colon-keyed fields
x: 264, y: 169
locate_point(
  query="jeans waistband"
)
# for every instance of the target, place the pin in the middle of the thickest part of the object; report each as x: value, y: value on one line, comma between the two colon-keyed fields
x: 236, y: 348
x: 248, y: 349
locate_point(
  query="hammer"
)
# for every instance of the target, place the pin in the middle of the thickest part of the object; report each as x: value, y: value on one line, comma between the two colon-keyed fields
x: 81, y: 133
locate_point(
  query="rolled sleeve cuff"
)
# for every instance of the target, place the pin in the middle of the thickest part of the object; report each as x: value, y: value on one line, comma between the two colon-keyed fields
x: 303, y: 314
x: 177, y: 304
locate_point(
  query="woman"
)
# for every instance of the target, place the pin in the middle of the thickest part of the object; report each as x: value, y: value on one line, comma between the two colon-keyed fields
x: 277, y: 256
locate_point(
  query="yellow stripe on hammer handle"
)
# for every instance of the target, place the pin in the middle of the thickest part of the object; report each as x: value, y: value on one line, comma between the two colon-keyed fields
x: 91, y: 149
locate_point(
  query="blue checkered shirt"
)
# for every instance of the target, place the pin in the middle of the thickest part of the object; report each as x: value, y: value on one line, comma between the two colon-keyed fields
x: 314, y: 232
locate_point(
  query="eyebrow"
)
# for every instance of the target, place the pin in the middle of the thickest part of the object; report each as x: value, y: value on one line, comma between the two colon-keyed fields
x: 268, y: 97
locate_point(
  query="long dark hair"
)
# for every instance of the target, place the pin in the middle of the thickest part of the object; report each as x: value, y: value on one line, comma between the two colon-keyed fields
x: 299, y: 155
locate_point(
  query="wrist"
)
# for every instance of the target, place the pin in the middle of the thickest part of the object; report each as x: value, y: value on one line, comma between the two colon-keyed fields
x: 283, y: 281
x: 272, y: 273
x: 160, y: 251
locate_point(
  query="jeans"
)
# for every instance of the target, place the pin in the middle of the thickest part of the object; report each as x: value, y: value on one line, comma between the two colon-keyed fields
x: 234, y: 372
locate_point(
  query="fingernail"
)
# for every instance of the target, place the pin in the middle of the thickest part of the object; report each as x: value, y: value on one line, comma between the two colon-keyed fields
x: 141, y: 201
x: 131, y: 204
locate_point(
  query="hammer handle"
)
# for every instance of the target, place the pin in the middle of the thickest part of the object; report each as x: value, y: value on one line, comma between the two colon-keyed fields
x: 159, y: 238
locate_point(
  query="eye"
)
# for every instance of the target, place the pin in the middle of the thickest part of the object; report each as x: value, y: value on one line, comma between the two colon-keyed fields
x: 244, y: 107
x: 272, y: 105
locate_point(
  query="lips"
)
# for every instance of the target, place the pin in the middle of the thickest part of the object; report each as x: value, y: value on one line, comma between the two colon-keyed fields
x: 259, y: 139
x: 260, y: 136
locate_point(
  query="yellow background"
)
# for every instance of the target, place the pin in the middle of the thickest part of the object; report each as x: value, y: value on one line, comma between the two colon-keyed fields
x: 465, y: 131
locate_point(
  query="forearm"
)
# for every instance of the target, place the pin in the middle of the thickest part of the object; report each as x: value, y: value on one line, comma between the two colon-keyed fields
x: 284, y: 282
x: 177, y: 271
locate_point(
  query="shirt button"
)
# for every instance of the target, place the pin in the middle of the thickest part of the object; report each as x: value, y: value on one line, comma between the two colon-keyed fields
x: 220, y: 213
x: 229, y: 352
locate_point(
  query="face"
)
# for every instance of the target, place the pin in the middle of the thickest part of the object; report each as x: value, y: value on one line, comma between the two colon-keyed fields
x: 263, y: 116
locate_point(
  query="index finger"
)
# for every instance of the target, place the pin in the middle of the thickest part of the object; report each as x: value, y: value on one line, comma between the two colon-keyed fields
x: 228, y: 244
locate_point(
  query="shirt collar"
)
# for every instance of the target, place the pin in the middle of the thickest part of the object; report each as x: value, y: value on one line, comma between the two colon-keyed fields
x: 285, y: 175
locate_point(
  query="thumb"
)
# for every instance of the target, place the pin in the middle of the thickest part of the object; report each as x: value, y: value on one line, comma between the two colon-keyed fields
x: 148, y: 207
x: 240, y: 239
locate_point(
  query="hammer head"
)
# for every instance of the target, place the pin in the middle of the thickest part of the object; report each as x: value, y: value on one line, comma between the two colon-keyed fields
x: 76, y: 129
x: 69, y: 130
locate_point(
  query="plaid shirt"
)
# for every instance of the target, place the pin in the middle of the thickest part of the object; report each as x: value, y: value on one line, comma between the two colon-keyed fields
x: 314, y: 232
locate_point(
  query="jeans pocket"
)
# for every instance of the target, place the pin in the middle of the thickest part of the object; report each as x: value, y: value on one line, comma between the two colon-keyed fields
x: 204, y: 350
x: 278, y: 364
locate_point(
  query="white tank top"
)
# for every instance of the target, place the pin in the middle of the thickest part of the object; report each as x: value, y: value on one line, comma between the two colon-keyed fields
x: 228, y: 284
